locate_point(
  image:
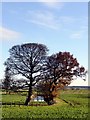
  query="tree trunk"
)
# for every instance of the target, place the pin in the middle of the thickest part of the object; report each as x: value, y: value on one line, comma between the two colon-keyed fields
x: 30, y: 88
x: 29, y: 95
x: 49, y: 100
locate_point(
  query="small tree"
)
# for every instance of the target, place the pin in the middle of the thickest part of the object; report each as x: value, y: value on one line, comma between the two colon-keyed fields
x: 7, y: 79
x: 27, y: 60
x: 60, y: 70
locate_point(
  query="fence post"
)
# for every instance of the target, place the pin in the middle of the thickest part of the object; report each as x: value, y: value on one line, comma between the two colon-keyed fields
x: 14, y: 104
x: 5, y: 104
x: 19, y: 104
x: 10, y: 104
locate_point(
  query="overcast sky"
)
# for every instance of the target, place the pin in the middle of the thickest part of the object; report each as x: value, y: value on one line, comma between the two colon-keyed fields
x: 60, y: 26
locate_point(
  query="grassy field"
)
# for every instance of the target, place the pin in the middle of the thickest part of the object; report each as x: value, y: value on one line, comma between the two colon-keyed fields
x: 70, y: 104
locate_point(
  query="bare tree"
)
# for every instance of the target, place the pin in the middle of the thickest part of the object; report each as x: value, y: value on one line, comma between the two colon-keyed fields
x: 27, y: 60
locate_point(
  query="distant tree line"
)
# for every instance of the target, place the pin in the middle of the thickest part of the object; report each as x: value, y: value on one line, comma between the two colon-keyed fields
x: 48, y: 73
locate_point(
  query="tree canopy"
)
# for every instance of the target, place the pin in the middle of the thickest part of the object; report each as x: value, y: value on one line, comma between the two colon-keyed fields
x: 63, y: 65
x: 27, y: 60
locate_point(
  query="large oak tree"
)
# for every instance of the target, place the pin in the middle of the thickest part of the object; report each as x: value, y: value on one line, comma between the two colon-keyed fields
x: 27, y: 60
x: 61, y: 68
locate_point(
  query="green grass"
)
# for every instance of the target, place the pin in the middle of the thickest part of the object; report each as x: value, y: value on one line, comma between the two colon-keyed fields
x: 13, y: 98
x: 78, y: 109
x: 76, y: 99
x: 64, y: 111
